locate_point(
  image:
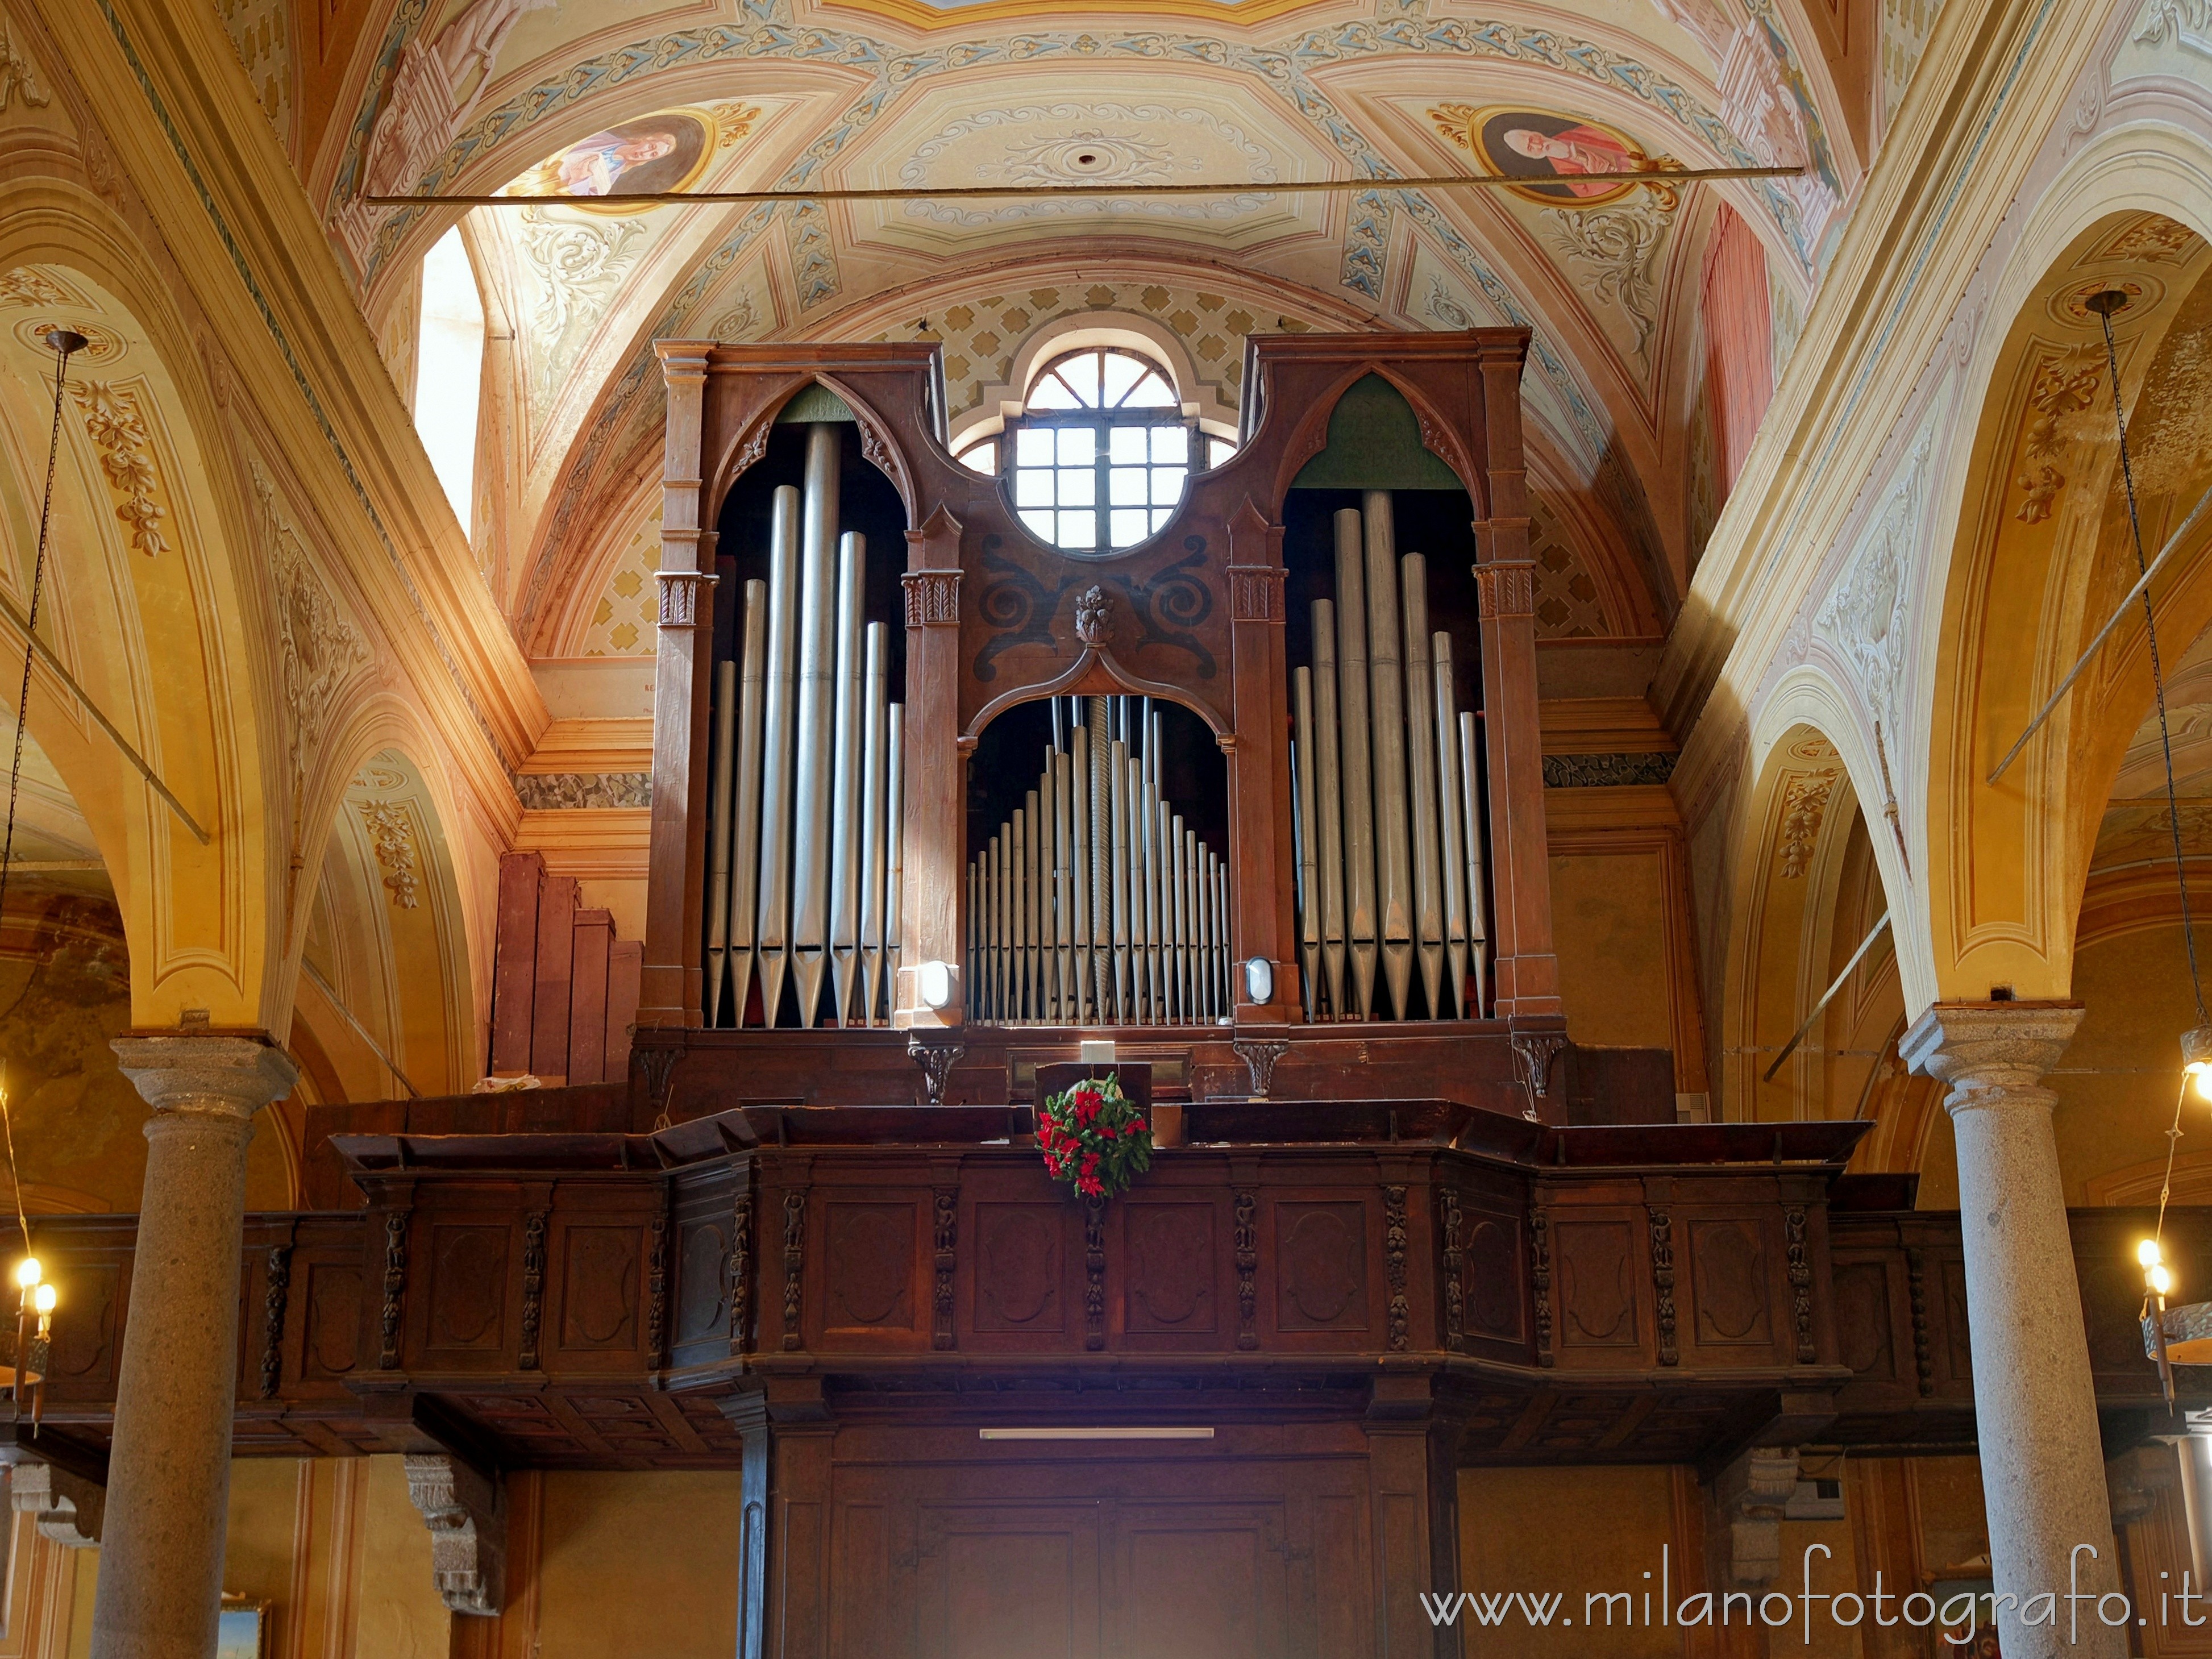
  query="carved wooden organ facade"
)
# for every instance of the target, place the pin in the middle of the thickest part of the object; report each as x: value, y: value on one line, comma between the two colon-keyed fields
x: 1276, y: 765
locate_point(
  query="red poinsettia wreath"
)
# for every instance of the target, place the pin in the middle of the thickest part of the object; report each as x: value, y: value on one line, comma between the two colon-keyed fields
x: 1094, y: 1138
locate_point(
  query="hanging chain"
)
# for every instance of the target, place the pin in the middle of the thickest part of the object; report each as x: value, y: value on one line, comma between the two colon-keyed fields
x: 61, y: 340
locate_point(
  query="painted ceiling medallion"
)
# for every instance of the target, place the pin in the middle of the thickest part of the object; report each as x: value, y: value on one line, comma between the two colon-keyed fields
x: 666, y: 150
x: 1091, y: 147
x: 1554, y: 152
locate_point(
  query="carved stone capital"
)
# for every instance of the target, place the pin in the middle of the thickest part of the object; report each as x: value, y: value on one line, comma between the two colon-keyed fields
x: 681, y: 591
x: 932, y: 598
x: 68, y: 1508
x: 466, y: 1514
x: 1506, y: 587
x: 1992, y: 1054
x: 206, y: 1074
x: 1256, y: 593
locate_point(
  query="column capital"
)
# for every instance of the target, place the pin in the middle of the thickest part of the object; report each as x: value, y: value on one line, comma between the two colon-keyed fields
x: 1990, y: 1054
x: 232, y: 1075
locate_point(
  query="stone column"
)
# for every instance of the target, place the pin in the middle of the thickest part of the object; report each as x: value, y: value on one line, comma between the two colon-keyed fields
x: 2035, y: 1410
x: 160, y: 1568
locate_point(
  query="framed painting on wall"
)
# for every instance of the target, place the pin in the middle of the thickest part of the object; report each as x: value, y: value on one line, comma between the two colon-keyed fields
x: 241, y: 1629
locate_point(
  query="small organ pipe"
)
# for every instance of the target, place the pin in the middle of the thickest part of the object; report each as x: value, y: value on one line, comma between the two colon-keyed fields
x: 1328, y: 806
x: 1386, y: 704
x: 720, y: 805
x: 818, y: 699
x: 1080, y: 856
x: 1117, y: 814
x: 1301, y: 825
x: 1100, y: 873
x: 1453, y: 859
x: 895, y: 823
x: 1353, y: 688
x: 779, y: 756
x: 1063, y: 891
x: 1421, y: 779
x: 846, y: 826
x: 875, y: 832
x: 744, y: 855
x: 1478, y: 918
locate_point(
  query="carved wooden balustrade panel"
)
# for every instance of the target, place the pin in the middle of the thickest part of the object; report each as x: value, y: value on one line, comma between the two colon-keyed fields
x: 595, y: 1300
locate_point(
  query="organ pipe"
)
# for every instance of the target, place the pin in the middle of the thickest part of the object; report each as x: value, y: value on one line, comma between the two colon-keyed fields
x: 719, y: 805
x: 745, y: 858
x: 1453, y: 859
x: 1302, y: 825
x: 807, y: 779
x: 817, y: 709
x: 1329, y: 804
x: 1355, y: 750
x: 1386, y: 707
x: 777, y: 757
x: 1422, y: 779
x: 1386, y: 797
x: 1096, y: 902
x: 846, y: 824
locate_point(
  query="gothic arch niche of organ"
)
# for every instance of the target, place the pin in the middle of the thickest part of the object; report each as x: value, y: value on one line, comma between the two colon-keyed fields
x: 806, y: 731
x: 1389, y: 801
x: 1099, y: 884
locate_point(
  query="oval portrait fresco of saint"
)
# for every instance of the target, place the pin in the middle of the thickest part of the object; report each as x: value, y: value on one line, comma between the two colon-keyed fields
x: 664, y: 151
x: 1561, y: 158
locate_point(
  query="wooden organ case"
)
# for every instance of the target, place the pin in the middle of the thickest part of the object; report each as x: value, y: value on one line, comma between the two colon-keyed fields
x: 1196, y: 618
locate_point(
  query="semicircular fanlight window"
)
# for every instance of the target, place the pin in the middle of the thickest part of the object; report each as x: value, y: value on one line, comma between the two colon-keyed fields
x: 1100, y: 457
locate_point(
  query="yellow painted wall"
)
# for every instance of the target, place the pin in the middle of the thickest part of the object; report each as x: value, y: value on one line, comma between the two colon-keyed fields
x: 1608, y: 927
x: 638, y: 1566
x: 1574, y: 1531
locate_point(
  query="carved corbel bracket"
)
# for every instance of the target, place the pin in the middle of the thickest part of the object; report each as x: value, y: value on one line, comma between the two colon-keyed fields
x: 69, y: 1509
x: 466, y: 1513
x: 937, y: 1061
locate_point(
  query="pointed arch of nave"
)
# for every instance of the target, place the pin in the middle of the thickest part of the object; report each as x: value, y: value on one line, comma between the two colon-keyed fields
x: 1815, y: 860
x: 153, y: 601
x: 393, y: 922
x: 379, y: 993
x: 2032, y: 552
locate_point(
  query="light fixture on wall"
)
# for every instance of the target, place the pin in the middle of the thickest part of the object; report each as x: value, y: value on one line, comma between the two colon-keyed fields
x: 2179, y: 1335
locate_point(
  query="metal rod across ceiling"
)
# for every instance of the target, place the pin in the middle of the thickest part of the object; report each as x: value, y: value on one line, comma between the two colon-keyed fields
x: 984, y: 192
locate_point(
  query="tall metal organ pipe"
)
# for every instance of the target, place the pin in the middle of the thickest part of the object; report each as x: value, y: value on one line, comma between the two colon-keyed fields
x: 807, y: 781
x: 1386, y: 795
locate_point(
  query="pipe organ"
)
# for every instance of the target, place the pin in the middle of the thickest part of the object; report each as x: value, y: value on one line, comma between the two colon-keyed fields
x: 864, y: 838
x: 1094, y: 903
x: 803, y: 879
x: 1386, y: 794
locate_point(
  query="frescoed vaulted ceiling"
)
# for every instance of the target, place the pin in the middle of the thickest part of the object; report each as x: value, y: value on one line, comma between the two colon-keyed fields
x: 430, y: 97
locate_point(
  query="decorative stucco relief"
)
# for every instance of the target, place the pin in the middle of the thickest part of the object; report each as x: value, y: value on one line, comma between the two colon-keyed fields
x: 319, y: 649
x: 392, y: 836
x: 1865, y: 617
x: 2065, y: 385
x: 115, y: 420
x: 19, y: 75
x: 1805, y: 797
